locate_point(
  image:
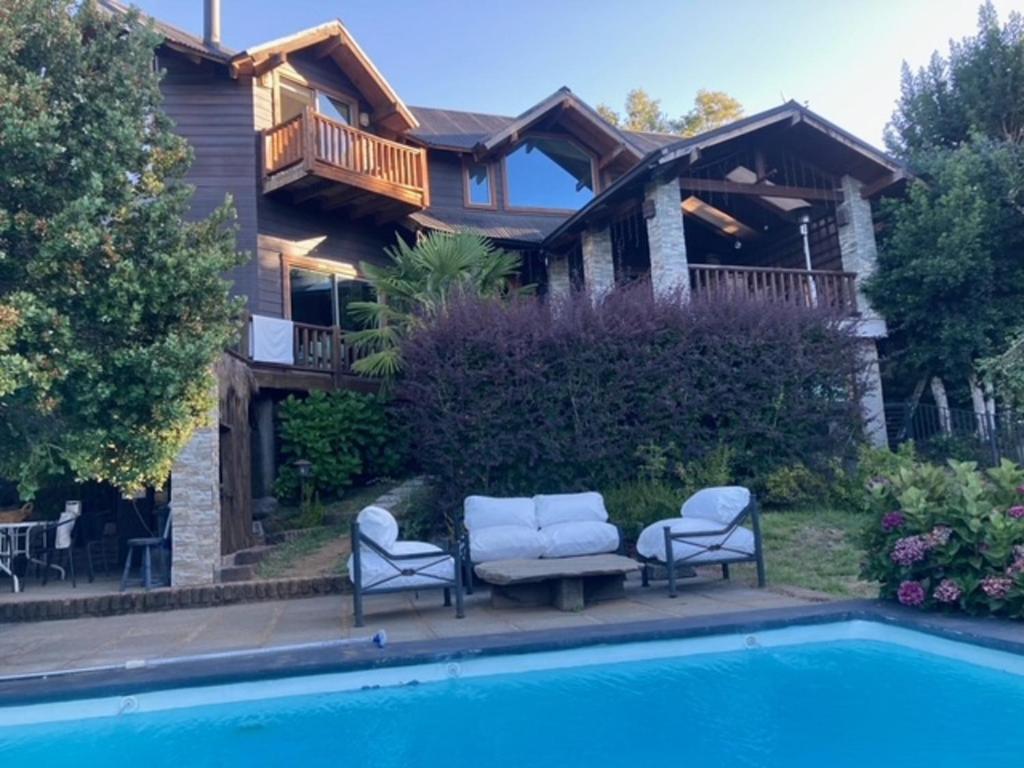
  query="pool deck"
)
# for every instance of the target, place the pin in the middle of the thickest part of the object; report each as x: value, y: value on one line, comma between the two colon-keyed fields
x: 87, y: 642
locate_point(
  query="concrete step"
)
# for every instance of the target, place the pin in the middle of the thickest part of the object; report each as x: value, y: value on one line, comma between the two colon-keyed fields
x: 251, y: 556
x: 237, y: 573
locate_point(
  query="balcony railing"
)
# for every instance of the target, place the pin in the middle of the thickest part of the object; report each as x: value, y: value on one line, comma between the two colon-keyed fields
x: 299, y: 346
x: 799, y: 287
x: 311, y: 145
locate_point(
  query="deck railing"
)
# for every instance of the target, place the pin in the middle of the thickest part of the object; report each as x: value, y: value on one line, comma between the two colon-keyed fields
x: 806, y: 288
x: 314, y: 348
x: 313, y: 138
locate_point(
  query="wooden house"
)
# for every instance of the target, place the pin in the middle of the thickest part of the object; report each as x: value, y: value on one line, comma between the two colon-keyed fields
x: 327, y: 165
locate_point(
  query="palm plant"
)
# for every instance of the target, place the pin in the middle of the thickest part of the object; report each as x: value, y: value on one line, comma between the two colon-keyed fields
x: 417, y: 285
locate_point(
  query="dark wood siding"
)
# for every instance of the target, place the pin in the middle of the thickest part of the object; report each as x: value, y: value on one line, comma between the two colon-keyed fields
x: 291, y: 230
x: 215, y: 114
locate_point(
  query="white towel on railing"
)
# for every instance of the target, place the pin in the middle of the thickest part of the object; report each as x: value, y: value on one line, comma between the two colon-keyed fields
x: 271, y: 339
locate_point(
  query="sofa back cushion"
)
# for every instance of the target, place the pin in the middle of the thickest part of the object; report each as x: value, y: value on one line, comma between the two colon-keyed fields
x: 379, y: 525
x: 570, y: 508
x: 489, y: 511
x: 582, y: 537
x: 721, y: 504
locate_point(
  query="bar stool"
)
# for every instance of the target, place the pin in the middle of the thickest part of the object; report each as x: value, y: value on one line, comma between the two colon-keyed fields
x: 146, y: 547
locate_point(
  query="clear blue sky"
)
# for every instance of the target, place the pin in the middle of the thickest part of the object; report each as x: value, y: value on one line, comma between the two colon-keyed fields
x: 841, y: 58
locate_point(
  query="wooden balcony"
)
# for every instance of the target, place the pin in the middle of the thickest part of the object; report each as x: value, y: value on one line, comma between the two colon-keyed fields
x: 799, y: 287
x: 321, y: 358
x: 317, y: 159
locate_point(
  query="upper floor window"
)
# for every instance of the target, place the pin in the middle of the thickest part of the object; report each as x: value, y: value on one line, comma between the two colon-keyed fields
x: 294, y: 97
x: 549, y: 172
x: 479, y: 191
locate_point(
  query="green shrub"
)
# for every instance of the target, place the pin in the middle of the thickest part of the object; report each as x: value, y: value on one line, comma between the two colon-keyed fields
x: 634, y: 506
x: 715, y: 468
x: 423, y: 519
x: 347, y: 436
x: 851, y: 489
x: 793, y: 486
x: 949, y: 537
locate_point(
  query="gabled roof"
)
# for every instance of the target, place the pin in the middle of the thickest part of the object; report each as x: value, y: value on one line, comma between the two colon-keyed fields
x: 174, y: 37
x: 880, y: 171
x: 574, y: 114
x: 333, y: 40
x: 454, y: 129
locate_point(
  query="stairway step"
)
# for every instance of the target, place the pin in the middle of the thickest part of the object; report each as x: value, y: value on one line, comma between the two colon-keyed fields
x: 252, y: 555
x: 237, y: 573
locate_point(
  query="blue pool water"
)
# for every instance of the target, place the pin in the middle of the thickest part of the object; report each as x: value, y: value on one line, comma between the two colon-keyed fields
x: 839, y: 703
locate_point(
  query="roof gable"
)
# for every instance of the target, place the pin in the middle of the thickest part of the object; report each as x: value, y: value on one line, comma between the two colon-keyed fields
x: 333, y: 41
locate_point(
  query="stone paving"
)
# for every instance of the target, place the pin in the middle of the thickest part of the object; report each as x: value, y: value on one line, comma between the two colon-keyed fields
x: 78, y: 643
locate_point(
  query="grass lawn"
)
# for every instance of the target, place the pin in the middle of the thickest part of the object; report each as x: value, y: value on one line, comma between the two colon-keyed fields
x: 816, y: 549
x: 319, y: 551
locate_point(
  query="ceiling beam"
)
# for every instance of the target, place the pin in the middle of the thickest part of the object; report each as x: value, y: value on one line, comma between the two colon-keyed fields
x: 328, y: 47
x: 872, y: 189
x: 611, y: 157
x: 271, y: 63
x: 760, y: 190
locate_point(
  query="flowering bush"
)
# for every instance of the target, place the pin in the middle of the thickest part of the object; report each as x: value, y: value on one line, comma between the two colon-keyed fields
x: 950, y: 537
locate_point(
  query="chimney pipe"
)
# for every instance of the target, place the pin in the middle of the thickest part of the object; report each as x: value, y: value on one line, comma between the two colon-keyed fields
x: 211, y: 23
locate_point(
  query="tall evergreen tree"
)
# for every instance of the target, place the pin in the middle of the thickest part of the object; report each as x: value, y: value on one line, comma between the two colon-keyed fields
x: 112, y: 304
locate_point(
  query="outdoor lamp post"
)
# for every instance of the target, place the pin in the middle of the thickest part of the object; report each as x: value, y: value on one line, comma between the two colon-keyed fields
x: 305, y: 470
x: 805, y: 222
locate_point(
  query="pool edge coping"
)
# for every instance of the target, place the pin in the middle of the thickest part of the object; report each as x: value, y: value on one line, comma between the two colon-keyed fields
x: 338, y: 656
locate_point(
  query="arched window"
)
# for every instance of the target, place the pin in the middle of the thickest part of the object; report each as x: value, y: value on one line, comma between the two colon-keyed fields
x: 549, y: 172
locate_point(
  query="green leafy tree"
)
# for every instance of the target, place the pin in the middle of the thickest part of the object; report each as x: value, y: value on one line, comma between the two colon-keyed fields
x: 977, y: 88
x: 112, y: 308
x: 417, y: 285
x: 949, y: 272
x: 711, y: 109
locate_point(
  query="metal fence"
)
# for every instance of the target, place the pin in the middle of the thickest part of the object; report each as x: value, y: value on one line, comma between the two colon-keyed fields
x: 956, y: 433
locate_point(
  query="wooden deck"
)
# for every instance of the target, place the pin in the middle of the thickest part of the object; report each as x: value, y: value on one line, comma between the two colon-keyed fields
x: 321, y: 161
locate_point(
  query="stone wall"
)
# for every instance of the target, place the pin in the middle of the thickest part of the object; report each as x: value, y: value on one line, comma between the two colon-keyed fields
x: 559, y: 284
x: 195, y: 508
x: 666, y: 237
x: 857, y: 241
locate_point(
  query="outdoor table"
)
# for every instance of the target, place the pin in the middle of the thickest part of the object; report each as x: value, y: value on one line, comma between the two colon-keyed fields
x: 15, y: 539
x: 568, y: 583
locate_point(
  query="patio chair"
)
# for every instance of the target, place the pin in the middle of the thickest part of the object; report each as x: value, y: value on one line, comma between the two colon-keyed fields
x: 709, y: 531
x: 59, y: 544
x: 147, y: 546
x: 380, y: 563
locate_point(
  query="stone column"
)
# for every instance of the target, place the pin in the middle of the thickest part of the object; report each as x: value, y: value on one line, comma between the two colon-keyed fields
x: 665, y: 237
x: 857, y: 243
x: 195, y: 507
x: 598, y: 264
x: 559, y: 285
x: 872, y: 405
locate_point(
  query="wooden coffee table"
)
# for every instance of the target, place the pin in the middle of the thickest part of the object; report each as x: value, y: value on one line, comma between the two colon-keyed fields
x: 568, y: 583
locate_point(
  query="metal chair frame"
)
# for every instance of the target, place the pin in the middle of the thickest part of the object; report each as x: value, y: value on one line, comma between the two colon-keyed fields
x: 731, y: 555
x: 399, y: 564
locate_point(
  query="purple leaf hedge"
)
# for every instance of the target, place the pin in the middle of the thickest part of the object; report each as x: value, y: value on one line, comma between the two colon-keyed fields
x: 520, y: 397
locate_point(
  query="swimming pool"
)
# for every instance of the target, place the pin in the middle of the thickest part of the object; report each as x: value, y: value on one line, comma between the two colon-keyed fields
x: 844, y: 694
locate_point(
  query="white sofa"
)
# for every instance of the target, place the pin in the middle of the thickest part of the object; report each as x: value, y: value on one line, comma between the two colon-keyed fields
x: 526, y: 528
x: 381, y: 563
x: 709, y: 530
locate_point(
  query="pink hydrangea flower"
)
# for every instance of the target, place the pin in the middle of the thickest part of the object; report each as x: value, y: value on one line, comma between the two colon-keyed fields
x: 909, y: 550
x: 1017, y: 566
x: 996, y: 587
x: 1016, y: 512
x: 948, y: 591
x: 892, y: 521
x: 911, y: 593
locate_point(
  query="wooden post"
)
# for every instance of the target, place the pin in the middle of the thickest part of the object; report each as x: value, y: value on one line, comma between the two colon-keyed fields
x: 308, y: 137
x: 337, y: 363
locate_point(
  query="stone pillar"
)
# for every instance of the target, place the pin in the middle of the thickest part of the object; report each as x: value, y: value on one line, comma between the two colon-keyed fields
x: 195, y: 507
x: 598, y: 264
x: 857, y: 242
x: 559, y: 285
x: 665, y: 237
x: 872, y: 405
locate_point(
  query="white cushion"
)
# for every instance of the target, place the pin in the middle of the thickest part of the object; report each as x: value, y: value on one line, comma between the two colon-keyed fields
x: 587, y: 537
x: 721, y: 504
x: 379, y: 525
x: 489, y: 511
x: 505, y: 542
x: 376, y: 568
x: 651, y: 543
x: 569, y: 508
